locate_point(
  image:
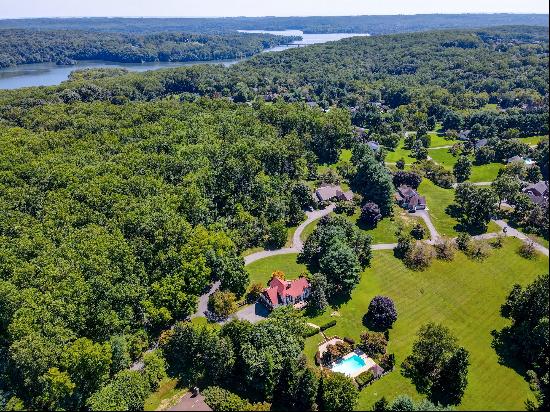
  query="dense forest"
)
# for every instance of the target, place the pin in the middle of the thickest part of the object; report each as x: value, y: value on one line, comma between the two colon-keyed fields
x: 124, y: 195
x: 311, y: 24
x: 66, y: 47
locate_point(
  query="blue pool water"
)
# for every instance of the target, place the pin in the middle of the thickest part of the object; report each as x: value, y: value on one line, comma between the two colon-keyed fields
x: 349, y: 366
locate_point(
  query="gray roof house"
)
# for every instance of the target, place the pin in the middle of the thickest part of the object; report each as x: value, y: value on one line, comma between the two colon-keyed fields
x: 515, y: 159
x: 409, y: 199
x: 333, y: 192
x: 374, y: 146
x: 481, y: 143
x: 537, y: 192
x: 463, y: 134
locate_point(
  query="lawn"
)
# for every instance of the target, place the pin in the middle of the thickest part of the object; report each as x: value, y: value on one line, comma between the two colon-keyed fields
x: 437, y: 200
x: 166, y: 395
x: 260, y: 271
x: 532, y: 140
x: 288, y: 243
x: 463, y: 295
x: 400, y: 152
x: 438, y: 140
x: 443, y: 157
x: 485, y: 173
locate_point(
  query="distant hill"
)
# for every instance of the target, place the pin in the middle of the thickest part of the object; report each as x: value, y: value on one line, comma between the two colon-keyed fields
x: 330, y: 24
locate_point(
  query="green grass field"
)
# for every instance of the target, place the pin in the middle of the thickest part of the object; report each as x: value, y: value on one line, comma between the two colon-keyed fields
x: 443, y: 157
x: 400, y: 152
x: 438, y: 140
x: 532, y: 140
x: 465, y: 296
x: 261, y: 270
x: 485, y: 173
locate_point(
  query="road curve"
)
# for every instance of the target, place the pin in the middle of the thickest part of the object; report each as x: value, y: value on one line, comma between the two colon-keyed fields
x: 297, y: 244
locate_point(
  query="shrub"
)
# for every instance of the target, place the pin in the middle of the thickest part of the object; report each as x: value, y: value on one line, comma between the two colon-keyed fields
x: 222, y: 304
x: 364, y: 378
x: 349, y: 340
x: 220, y: 399
x: 310, y: 331
x: 498, y: 242
x: 336, y: 351
x: 373, y: 343
x: 527, y: 251
x: 329, y: 324
x: 478, y: 250
x: 254, y: 292
x: 381, y: 313
x: 463, y: 241
x: 418, y: 232
x: 387, y: 361
x: 404, y: 245
x: 419, y: 257
x: 154, y: 368
x: 445, y: 249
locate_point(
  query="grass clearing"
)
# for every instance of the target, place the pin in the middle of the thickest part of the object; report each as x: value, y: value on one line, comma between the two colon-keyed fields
x: 398, y: 153
x: 168, y: 394
x: 532, y: 140
x: 465, y: 296
x: 260, y: 271
x: 439, y: 139
x: 443, y: 157
x: 485, y: 173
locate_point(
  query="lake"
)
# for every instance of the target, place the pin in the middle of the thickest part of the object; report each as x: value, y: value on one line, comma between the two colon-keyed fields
x: 48, y: 74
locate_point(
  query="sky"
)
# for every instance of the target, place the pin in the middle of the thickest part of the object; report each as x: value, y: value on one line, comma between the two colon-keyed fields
x: 229, y: 8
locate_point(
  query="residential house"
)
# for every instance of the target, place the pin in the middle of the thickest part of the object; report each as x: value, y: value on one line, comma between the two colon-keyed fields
x: 374, y: 146
x: 285, y: 292
x: 409, y: 199
x: 333, y: 192
x: 537, y: 192
x: 520, y: 159
x: 481, y: 143
x: 464, y: 134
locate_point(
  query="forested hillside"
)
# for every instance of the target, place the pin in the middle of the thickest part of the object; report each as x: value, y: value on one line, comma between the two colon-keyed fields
x: 123, y: 196
x: 311, y: 24
x: 65, y: 47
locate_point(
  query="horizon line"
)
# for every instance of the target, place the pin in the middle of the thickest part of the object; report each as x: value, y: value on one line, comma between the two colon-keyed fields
x: 265, y: 16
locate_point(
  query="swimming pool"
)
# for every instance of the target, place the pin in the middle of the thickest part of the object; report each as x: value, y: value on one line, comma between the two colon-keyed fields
x: 350, y: 365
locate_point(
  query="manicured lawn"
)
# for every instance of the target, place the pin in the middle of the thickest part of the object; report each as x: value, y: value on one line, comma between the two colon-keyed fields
x: 166, y: 395
x: 463, y: 295
x: 485, y: 173
x: 385, y: 231
x: 400, y: 152
x: 438, y: 140
x: 531, y: 140
x: 288, y: 243
x: 443, y: 157
x: 261, y: 270
x: 437, y: 200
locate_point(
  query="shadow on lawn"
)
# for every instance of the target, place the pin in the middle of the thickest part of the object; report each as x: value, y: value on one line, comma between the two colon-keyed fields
x: 507, y: 350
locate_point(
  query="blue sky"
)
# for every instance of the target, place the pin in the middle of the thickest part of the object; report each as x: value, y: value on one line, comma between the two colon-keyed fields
x: 194, y: 8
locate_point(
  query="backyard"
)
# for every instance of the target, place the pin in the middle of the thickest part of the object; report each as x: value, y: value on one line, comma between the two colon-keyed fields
x: 464, y: 295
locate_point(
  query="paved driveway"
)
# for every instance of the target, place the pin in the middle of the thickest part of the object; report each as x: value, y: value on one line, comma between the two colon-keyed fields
x: 252, y: 313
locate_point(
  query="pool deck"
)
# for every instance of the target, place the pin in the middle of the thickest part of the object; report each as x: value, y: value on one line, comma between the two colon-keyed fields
x: 369, y: 363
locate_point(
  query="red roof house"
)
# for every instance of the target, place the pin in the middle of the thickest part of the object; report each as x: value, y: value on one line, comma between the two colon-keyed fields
x: 285, y: 292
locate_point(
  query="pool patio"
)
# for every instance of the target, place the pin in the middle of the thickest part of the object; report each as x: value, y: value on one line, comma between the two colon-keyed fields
x: 356, y: 357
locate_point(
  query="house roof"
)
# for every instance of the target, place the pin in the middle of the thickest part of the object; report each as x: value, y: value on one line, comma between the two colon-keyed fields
x: 373, y: 145
x: 540, y: 188
x: 406, y: 191
x: 344, y: 195
x: 327, y: 192
x: 515, y: 159
x: 283, y: 288
x: 481, y: 143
